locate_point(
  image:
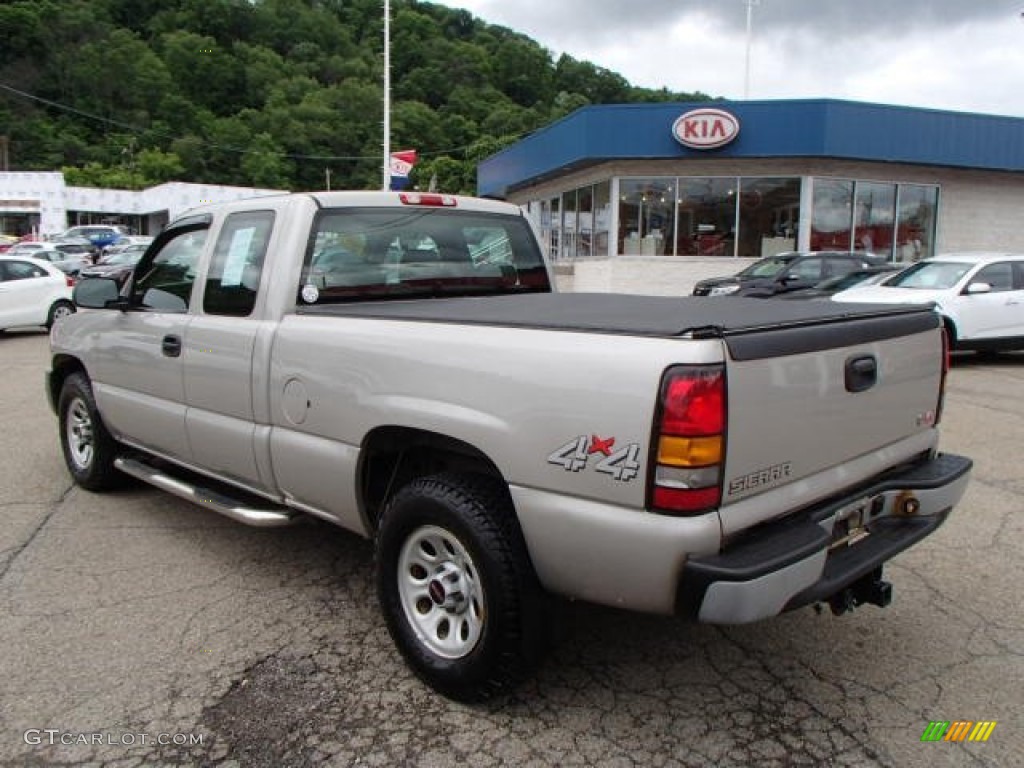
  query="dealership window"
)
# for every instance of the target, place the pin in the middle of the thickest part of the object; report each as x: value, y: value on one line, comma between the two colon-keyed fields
x: 646, y: 216
x: 893, y: 220
x: 707, y: 217
x: 551, y: 226
x: 602, y: 217
x: 769, y: 213
x: 874, y: 216
x: 832, y: 216
x: 915, y: 224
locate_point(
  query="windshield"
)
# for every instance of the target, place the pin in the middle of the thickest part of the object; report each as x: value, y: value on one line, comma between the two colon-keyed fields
x: 930, y: 274
x: 419, y: 252
x: 769, y: 267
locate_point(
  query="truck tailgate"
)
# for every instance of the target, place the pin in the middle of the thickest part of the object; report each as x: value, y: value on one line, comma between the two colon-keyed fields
x: 837, y: 401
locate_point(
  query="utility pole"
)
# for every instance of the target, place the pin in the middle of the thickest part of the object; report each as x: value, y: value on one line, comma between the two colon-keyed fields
x: 5, y: 160
x: 387, y: 96
x: 750, y: 37
x: 327, y: 178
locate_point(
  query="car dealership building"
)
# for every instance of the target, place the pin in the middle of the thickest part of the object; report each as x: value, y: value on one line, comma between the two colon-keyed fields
x: 42, y: 203
x: 699, y: 181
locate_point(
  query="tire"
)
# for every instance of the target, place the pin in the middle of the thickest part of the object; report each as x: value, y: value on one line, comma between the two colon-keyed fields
x: 89, y: 450
x: 456, y: 586
x: 59, y: 311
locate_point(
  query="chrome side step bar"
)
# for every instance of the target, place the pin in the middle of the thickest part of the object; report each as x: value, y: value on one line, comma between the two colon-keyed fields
x: 217, y: 500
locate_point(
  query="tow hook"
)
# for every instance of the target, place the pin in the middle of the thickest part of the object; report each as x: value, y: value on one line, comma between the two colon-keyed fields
x: 867, y: 589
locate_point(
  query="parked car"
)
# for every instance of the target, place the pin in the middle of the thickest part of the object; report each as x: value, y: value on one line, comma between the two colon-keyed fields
x: 69, y: 263
x: 830, y: 286
x: 127, y: 243
x: 32, y: 292
x: 100, y: 235
x: 117, y: 266
x: 979, y: 295
x: 789, y: 271
x: 26, y: 247
x: 6, y: 241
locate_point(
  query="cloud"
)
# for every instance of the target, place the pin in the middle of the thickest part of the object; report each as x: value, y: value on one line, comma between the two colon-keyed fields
x: 946, y: 54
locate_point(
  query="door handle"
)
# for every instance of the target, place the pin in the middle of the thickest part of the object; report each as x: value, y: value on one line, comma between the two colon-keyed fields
x: 171, y: 346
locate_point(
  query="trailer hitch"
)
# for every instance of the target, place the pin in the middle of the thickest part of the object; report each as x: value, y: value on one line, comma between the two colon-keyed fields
x: 867, y: 589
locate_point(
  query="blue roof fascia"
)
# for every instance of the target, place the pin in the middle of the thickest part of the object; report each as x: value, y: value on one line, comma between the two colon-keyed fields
x: 825, y: 128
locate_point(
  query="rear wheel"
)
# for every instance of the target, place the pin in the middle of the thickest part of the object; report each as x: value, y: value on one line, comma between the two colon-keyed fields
x: 456, y: 585
x: 89, y: 450
x: 59, y: 311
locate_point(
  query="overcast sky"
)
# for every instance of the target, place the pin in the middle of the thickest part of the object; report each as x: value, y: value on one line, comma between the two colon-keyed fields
x: 965, y: 55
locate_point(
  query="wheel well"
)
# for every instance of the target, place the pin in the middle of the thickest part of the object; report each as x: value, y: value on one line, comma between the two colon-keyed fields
x: 62, y: 367
x: 392, y: 456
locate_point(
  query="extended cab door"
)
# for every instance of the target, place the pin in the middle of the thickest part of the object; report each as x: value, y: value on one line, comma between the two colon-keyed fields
x: 220, y: 350
x: 141, y: 349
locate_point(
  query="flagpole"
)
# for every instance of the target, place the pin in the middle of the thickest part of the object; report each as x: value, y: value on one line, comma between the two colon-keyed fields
x: 387, y: 95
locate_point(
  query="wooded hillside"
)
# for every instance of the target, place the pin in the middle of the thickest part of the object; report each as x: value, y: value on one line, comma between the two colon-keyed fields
x: 273, y: 93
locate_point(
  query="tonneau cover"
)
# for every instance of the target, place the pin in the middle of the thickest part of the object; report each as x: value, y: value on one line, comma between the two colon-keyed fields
x: 804, y: 326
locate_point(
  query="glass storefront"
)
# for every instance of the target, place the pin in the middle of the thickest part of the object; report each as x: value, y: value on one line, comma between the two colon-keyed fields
x: 749, y: 217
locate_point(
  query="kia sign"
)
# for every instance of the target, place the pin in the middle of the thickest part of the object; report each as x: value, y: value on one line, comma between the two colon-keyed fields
x: 705, y: 128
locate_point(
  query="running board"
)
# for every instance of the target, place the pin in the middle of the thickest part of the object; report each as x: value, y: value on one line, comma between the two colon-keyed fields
x: 217, y: 500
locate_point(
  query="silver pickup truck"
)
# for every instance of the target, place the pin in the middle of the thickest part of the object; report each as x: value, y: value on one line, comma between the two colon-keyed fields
x: 400, y: 365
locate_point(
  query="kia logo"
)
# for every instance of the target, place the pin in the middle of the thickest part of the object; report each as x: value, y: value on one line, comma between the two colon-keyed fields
x: 705, y: 128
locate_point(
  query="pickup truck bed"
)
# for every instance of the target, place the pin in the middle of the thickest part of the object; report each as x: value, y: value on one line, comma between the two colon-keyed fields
x: 752, y: 329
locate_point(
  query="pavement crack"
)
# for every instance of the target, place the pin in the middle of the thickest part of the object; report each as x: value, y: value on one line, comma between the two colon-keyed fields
x: 18, y: 550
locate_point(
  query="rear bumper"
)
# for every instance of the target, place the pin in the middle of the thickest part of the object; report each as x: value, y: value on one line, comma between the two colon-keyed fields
x: 787, y: 564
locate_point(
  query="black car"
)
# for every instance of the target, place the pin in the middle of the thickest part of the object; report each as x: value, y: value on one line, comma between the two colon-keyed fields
x: 117, y: 266
x: 787, y: 272
x: 830, y: 285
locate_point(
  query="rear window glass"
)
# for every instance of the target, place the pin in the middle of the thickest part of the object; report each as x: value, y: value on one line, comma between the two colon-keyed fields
x: 357, y: 254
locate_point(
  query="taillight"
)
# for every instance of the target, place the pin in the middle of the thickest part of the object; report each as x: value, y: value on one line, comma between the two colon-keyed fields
x: 689, y: 443
x: 428, y: 199
x: 946, y: 353
x: 70, y: 281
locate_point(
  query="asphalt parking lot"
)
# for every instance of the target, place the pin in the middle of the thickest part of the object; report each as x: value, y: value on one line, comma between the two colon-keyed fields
x: 137, y: 629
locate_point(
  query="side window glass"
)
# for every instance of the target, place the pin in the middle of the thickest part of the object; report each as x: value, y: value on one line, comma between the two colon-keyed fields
x: 842, y: 266
x: 233, y: 279
x: 999, y: 276
x: 22, y: 270
x: 165, y: 282
x: 809, y: 269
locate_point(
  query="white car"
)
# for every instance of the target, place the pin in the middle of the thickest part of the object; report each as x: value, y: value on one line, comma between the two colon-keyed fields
x: 979, y: 295
x: 32, y: 292
x: 27, y: 248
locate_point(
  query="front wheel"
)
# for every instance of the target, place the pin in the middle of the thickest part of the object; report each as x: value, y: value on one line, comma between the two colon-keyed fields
x: 456, y: 585
x: 89, y: 450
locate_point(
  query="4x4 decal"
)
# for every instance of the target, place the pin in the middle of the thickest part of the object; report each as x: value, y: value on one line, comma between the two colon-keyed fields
x: 622, y: 464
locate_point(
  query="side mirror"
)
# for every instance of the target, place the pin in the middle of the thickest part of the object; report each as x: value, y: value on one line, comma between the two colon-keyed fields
x: 98, y: 293
x: 978, y: 288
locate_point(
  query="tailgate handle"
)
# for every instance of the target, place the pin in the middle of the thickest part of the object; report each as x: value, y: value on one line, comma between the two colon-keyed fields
x: 861, y: 373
